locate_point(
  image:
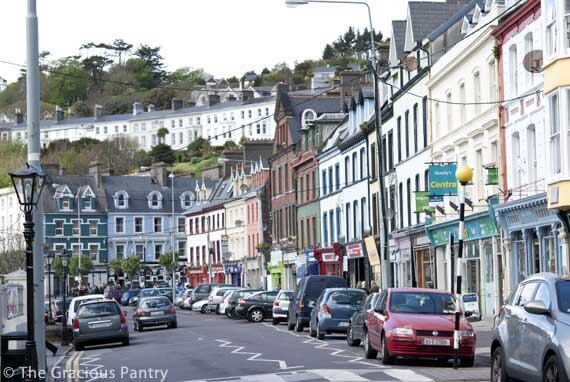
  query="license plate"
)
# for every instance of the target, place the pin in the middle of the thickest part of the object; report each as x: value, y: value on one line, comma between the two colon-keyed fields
x: 436, y: 341
x: 100, y: 325
x: 343, y: 324
x: 157, y: 313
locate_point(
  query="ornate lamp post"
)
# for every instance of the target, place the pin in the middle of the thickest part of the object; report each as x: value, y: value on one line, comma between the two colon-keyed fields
x: 64, y: 256
x: 49, y: 256
x: 464, y: 175
x: 28, y: 183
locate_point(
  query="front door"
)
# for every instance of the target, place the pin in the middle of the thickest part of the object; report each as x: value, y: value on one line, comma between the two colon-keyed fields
x: 489, y: 299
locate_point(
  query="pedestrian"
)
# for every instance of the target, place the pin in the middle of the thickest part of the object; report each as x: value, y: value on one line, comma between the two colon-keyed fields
x: 373, y: 287
x: 362, y: 285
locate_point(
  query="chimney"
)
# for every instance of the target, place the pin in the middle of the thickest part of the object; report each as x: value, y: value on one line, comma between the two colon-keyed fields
x: 282, y: 87
x: 350, y: 84
x: 108, y: 172
x: 59, y: 114
x: 177, y: 104
x: 213, y: 99
x: 51, y: 169
x: 247, y: 95
x: 95, y: 172
x: 19, y: 116
x: 98, y: 111
x: 150, y: 108
x: 138, y: 108
x: 158, y: 171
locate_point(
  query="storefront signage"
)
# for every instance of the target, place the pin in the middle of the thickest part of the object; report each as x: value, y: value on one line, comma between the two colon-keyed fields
x: 217, y: 268
x: 442, y: 179
x: 354, y: 250
x: 474, y: 229
x: 234, y: 268
x: 196, y: 271
x: 276, y: 257
x: 492, y: 176
x: 329, y: 257
x: 372, y: 251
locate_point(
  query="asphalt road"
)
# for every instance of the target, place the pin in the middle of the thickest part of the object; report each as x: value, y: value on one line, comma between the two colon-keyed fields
x: 215, y: 347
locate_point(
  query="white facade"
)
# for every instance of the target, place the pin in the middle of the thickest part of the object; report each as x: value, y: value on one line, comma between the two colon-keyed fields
x: 236, y: 229
x: 205, y: 231
x: 11, y: 221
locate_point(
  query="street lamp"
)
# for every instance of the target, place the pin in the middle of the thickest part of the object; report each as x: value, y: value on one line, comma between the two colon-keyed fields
x: 28, y: 183
x: 64, y: 257
x: 49, y: 256
x: 464, y: 174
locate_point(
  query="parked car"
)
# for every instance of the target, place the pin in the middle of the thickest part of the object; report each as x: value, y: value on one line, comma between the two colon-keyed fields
x: 531, y: 341
x: 358, y: 320
x: 155, y: 292
x: 333, y: 310
x: 236, y: 296
x: 216, y: 296
x: 202, y: 291
x: 57, y: 309
x: 257, y: 306
x: 113, y: 293
x: 155, y: 311
x: 226, y: 300
x: 200, y: 306
x: 182, y: 296
x: 99, y: 321
x: 128, y: 295
x: 76, y: 302
x: 307, y: 292
x: 417, y: 323
x: 281, y: 306
x: 471, y: 306
x: 187, y: 303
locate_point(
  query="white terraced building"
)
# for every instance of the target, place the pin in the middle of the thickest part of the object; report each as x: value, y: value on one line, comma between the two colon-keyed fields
x: 217, y: 122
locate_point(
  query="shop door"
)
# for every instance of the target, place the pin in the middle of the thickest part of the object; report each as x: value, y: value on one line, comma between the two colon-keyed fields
x: 535, y: 254
x: 472, y: 282
x: 490, y: 295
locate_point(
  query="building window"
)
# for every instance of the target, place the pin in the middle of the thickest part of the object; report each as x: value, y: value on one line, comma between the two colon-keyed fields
x: 356, y: 222
x: 181, y: 225
x: 354, y: 167
x: 529, y: 47
x: 477, y: 92
x: 513, y: 71
x: 516, y: 153
x: 390, y: 150
x: 331, y: 183
x: 65, y: 203
x: 462, y: 103
x: 119, y: 224
x: 325, y: 229
x: 324, y: 178
x: 348, y: 216
x: 415, y: 121
x: 373, y: 160
x: 59, y: 228
x: 139, y: 251
x: 286, y: 177
x: 346, y: 170
x: 375, y: 214
x: 94, y: 252
x: 93, y: 227
x: 399, y: 138
x: 362, y: 163
x: 449, y: 107
x: 409, y: 200
x: 121, y: 200
x: 417, y: 190
x: 157, y: 251
x: 76, y: 228
x: 555, y: 158
x: 424, y: 122
x: 138, y: 224
x: 155, y: 200
x: 401, y: 206
x: 331, y: 225
x: 181, y: 248
x: 105, y: 130
x: 157, y: 224
x: 407, y: 132
x: 551, y: 27
x: 119, y: 251
x: 336, y: 176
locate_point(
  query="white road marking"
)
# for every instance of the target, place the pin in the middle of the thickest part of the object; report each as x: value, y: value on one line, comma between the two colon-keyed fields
x: 254, y: 356
x: 340, y: 375
x: 406, y: 375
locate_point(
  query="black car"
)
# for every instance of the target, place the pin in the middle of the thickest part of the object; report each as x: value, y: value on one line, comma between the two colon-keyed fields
x: 127, y: 295
x: 233, y: 302
x: 356, y: 324
x: 308, y: 291
x: 257, y: 306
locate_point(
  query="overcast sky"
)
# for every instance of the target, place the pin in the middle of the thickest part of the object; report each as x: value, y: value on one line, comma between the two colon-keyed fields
x: 225, y: 37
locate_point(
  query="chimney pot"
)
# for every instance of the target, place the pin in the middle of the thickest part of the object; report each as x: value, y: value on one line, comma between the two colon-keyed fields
x: 59, y: 114
x: 19, y: 116
x: 213, y: 99
x: 176, y: 104
x: 158, y: 171
x: 150, y: 108
x: 98, y: 111
x: 95, y: 172
x: 137, y: 108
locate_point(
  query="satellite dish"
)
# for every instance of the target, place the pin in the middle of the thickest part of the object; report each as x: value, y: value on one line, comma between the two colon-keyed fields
x: 238, y: 223
x: 410, y: 63
x: 532, y: 61
x: 244, y: 188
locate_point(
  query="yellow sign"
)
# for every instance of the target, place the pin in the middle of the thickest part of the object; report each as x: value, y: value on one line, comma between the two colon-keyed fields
x: 372, y: 251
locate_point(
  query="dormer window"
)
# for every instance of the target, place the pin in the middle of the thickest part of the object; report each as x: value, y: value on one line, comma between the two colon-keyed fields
x: 186, y: 199
x: 88, y: 199
x: 121, y: 199
x: 155, y: 200
x: 65, y: 203
x: 308, y: 118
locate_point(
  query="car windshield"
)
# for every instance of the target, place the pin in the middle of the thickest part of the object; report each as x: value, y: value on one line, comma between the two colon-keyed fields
x: 149, y: 292
x: 156, y: 303
x: 563, y: 293
x: 98, y: 310
x: 79, y: 302
x: 470, y: 298
x: 422, y: 303
x: 346, y: 298
x: 286, y: 296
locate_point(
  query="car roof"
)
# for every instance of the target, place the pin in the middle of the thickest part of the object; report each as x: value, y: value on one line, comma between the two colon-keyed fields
x: 153, y: 297
x: 344, y: 290
x: 99, y: 302
x: 287, y: 290
x: 87, y: 297
x: 547, y: 276
x: 423, y: 290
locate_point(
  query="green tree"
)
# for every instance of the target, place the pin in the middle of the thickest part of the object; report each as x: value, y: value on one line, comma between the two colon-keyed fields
x: 116, y: 265
x: 11, y: 261
x: 153, y: 59
x: 231, y: 145
x: 67, y: 83
x: 328, y: 52
x: 131, y: 265
x: 188, y: 76
x: 95, y: 66
x: 162, y: 153
x: 199, y: 148
x: 56, y: 266
x: 168, y: 260
x: 13, y: 156
x: 86, y: 265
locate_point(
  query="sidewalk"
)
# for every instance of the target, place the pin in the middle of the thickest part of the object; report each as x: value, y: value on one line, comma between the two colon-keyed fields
x: 53, y: 361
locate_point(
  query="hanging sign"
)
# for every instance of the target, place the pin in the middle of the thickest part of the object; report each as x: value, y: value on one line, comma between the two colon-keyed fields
x: 422, y: 201
x: 442, y: 179
x: 492, y: 176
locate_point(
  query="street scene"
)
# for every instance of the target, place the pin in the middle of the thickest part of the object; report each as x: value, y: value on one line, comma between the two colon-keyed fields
x: 285, y: 190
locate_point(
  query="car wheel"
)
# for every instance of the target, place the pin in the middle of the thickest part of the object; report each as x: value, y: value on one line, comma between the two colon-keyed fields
x: 78, y: 347
x: 320, y: 333
x: 498, y: 367
x: 298, y: 327
x: 255, y: 315
x: 290, y: 325
x: 140, y: 327
x: 275, y: 321
x: 203, y: 309
x: 218, y: 311
x: 350, y: 338
x: 126, y: 342
x: 369, y: 353
x: 386, y: 358
x: 174, y: 325
x: 312, y: 333
x: 468, y: 362
x: 553, y: 370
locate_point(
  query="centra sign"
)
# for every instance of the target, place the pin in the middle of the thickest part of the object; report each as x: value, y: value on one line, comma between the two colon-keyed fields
x: 442, y: 179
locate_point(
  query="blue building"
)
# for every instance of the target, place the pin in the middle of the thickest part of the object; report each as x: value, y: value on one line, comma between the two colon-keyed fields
x: 145, y: 221
x: 75, y: 219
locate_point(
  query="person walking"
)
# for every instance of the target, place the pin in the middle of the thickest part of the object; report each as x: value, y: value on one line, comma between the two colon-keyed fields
x: 373, y: 287
x: 362, y: 285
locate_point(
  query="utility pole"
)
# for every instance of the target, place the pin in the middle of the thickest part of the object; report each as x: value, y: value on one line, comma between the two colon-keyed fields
x: 172, y: 225
x: 79, y: 235
x: 33, y: 129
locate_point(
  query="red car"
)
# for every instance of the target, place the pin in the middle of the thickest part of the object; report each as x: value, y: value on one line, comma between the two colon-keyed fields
x: 416, y: 323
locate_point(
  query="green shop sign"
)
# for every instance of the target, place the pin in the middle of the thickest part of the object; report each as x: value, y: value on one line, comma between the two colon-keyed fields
x: 474, y: 229
x: 442, y: 179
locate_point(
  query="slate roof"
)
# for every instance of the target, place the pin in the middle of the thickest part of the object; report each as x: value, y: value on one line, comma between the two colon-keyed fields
x: 426, y: 16
x: 399, y: 36
x: 457, y: 16
x: 57, y: 183
x: 139, y: 187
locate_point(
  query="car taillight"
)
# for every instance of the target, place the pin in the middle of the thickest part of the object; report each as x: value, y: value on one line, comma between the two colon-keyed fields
x: 301, y: 305
x: 325, y: 309
x: 75, y: 324
x: 140, y: 313
x: 276, y: 303
x: 210, y: 298
x: 123, y: 319
x: 171, y: 310
x: 241, y: 301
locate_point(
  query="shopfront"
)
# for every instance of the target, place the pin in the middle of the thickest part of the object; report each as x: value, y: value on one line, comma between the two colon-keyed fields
x: 373, y: 259
x: 481, y: 251
x: 329, y: 260
x: 218, y: 274
x: 197, y: 275
x: 252, y: 275
x: 306, y: 265
x: 533, y: 237
x: 276, y: 270
x: 234, y: 273
x: 358, y: 268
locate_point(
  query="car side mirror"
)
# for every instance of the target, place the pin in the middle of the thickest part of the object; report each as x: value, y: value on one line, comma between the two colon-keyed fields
x: 536, y: 307
x: 379, y: 310
x: 311, y: 304
x: 468, y: 314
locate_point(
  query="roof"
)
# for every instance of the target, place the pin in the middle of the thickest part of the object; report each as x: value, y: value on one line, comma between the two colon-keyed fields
x: 324, y: 69
x: 73, y: 183
x: 426, y: 16
x: 457, y: 16
x: 399, y: 36
x: 139, y: 187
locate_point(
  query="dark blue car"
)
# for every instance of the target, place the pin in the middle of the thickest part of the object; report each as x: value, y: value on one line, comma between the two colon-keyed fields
x: 333, y: 310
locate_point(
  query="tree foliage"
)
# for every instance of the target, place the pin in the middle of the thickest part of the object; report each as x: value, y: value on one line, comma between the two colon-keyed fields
x: 131, y: 265
x: 162, y: 153
x: 13, y: 156
x: 116, y: 265
x: 168, y: 260
x: 86, y: 265
x: 11, y: 261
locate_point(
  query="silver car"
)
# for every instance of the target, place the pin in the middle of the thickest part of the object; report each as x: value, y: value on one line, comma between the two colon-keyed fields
x: 155, y: 311
x: 531, y: 341
x: 99, y: 322
x: 281, y: 306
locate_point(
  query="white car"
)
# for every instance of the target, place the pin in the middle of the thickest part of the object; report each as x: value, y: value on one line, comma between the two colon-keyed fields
x: 74, y: 306
x: 200, y: 306
x: 280, y: 308
x: 225, y: 301
x: 217, y: 296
